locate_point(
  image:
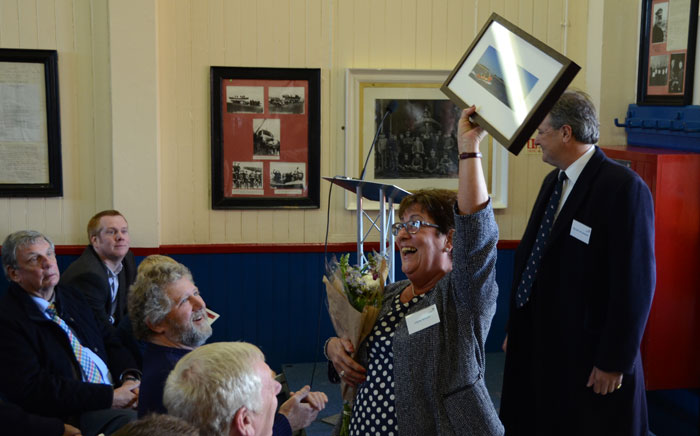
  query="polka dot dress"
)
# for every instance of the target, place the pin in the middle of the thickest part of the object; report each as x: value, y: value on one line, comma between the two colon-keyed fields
x: 374, y: 412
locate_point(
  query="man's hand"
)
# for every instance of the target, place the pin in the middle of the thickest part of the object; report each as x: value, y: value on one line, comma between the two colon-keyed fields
x: 299, y: 413
x: 604, y: 382
x: 126, y: 396
x: 339, y: 351
x: 69, y: 430
x: 317, y: 400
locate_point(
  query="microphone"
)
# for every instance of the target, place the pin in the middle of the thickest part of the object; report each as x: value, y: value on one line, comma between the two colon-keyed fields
x: 390, y: 108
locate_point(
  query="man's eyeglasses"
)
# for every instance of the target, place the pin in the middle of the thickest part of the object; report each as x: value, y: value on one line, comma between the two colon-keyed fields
x: 411, y: 227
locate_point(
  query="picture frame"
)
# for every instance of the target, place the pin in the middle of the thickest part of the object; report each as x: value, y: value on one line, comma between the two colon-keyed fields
x: 420, y: 107
x: 512, y: 78
x: 30, y: 137
x: 667, y: 52
x: 265, y: 138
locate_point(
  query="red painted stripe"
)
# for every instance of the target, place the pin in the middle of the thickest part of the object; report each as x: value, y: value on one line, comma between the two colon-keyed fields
x: 343, y: 247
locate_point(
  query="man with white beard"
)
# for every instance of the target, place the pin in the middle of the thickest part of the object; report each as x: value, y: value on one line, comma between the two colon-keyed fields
x: 169, y: 315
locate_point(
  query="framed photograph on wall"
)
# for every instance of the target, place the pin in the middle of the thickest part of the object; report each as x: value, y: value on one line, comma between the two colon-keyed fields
x: 667, y: 52
x: 513, y: 79
x: 30, y: 130
x: 265, y: 138
x: 417, y: 147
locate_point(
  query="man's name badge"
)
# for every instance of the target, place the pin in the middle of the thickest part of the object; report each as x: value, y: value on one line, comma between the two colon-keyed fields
x: 580, y: 231
x: 422, y: 319
x: 211, y: 316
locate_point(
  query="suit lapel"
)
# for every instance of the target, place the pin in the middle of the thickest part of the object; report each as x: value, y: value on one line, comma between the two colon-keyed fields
x: 576, y: 197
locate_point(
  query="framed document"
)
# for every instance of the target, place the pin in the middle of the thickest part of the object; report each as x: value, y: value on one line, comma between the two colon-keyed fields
x: 30, y: 133
x: 265, y: 138
x: 667, y: 52
x: 512, y: 78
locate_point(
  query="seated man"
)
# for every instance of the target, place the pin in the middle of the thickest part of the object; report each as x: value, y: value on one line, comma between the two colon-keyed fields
x: 57, y: 361
x: 168, y: 314
x: 225, y: 388
x: 106, y: 268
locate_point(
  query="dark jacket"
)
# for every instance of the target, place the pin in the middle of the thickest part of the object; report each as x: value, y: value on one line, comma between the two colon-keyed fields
x: 38, y: 370
x: 88, y: 274
x: 15, y: 421
x: 588, y: 307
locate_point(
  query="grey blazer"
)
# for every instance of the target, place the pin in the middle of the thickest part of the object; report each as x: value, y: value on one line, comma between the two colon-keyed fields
x: 439, y: 371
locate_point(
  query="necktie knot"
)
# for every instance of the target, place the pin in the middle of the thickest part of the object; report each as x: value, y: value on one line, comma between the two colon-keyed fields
x: 562, y: 176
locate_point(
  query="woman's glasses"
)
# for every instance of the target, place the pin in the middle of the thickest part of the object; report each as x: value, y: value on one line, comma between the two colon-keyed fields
x: 411, y: 227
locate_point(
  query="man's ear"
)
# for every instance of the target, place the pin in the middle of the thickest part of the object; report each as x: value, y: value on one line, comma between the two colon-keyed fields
x: 567, y: 133
x: 158, y: 328
x: 14, y: 276
x: 93, y: 240
x: 242, y: 424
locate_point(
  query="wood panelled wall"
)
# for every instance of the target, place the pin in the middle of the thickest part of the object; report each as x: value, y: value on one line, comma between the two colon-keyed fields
x: 192, y: 35
x: 333, y: 35
x: 77, y: 29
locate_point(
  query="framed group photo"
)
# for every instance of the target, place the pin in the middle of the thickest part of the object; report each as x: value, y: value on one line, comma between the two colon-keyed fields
x: 512, y: 78
x: 30, y: 132
x: 417, y: 145
x: 265, y: 137
x: 667, y: 52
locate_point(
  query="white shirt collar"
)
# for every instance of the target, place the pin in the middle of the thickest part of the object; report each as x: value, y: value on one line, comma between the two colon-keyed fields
x: 575, y: 169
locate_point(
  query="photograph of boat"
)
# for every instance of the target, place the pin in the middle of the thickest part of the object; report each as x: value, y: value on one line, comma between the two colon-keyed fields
x: 244, y: 99
x: 288, y: 175
x: 286, y: 99
x: 266, y: 142
x: 489, y: 73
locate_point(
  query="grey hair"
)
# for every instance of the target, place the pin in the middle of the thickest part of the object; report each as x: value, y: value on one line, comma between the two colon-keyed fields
x: 158, y: 425
x: 148, y: 300
x: 575, y: 108
x: 211, y: 383
x: 15, y: 240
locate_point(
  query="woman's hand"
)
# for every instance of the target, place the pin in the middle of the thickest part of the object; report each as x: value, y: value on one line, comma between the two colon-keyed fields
x: 339, y: 351
x: 469, y: 135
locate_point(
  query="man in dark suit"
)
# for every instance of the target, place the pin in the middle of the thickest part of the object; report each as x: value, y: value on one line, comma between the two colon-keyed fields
x: 582, y: 293
x: 106, y: 268
x: 57, y: 360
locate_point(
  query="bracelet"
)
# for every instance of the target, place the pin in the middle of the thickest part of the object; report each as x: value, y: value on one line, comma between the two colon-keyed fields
x: 325, y: 347
x: 469, y: 155
x: 130, y: 374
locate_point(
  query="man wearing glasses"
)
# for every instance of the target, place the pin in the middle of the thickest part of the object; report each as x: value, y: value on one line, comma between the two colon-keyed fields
x: 583, y: 282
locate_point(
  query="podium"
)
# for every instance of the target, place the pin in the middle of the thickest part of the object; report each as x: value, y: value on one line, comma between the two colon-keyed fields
x: 386, y: 195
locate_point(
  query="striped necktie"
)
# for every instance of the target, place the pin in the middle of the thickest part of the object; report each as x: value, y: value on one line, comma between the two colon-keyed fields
x: 522, y: 295
x: 90, y: 371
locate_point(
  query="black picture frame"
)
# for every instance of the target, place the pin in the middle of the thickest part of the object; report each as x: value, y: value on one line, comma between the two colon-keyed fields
x: 265, y: 138
x: 41, y: 132
x: 665, y: 75
x: 513, y: 79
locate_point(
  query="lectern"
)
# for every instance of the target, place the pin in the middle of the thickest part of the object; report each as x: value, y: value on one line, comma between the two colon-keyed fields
x: 386, y: 195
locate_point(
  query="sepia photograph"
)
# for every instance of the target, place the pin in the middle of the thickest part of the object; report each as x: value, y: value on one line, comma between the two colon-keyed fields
x: 418, y: 140
x: 676, y: 75
x: 290, y: 176
x: 489, y: 73
x: 245, y: 99
x: 658, y: 71
x: 286, y: 99
x: 247, y: 178
x: 266, y: 138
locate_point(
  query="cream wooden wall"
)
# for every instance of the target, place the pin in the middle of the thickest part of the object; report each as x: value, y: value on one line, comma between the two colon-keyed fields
x: 192, y: 35
x: 78, y: 30
x: 333, y: 35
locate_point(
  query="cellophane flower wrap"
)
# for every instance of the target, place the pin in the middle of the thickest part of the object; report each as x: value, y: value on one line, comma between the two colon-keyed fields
x: 354, y: 300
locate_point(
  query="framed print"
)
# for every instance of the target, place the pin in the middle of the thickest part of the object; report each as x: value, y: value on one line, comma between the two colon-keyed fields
x: 512, y: 78
x: 265, y: 138
x: 667, y: 52
x: 417, y: 145
x: 30, y: 132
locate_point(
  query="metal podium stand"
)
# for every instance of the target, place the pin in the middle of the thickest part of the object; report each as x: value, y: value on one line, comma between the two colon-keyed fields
x: 386, y: 195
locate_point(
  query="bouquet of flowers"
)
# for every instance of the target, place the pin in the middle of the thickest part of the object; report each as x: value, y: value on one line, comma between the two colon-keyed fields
x: 354, y: 300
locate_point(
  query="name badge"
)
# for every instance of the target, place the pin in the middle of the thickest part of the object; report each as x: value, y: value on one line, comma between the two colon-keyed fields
x: 580, y: 231
x: 422, y: 319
